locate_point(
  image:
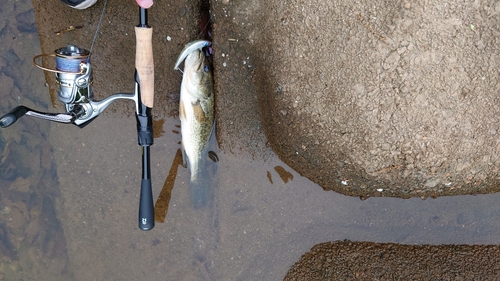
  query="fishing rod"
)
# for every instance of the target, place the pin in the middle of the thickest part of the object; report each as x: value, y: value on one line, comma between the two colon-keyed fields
x: 73, y: 72
x: 144, y: 87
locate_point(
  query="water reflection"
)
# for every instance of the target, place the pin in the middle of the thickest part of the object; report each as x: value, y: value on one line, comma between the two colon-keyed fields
x: 32, y: 243
x: 161, y: 205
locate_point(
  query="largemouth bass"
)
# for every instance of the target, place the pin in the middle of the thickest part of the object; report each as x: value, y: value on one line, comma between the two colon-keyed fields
x: 196, y: 112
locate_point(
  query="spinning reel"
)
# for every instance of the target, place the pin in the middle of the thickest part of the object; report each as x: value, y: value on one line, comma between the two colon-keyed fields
x: 74, y: 78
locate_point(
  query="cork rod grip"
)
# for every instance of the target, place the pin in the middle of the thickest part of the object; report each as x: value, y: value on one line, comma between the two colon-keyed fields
x: 144, y: 64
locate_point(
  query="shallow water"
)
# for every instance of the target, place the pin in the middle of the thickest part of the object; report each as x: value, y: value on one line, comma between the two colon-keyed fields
x: 69, y: 199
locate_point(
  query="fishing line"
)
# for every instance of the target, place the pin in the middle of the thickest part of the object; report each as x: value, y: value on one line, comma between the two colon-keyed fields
x: 203, y: 30
x: 68, y: 59
x: 97, y: 30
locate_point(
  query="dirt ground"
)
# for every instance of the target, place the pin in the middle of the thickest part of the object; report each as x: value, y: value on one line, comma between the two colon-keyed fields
x: 383, y: 98
x: 346, y: 260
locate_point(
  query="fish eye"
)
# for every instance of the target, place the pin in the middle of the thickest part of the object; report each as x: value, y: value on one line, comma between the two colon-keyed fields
x: 206, y: 68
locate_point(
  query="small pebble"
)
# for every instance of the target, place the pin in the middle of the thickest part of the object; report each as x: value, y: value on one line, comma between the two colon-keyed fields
x: 169, y: 38
x: 182, y: 11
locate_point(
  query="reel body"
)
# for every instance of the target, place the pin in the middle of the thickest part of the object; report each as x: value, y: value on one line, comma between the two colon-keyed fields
x: 74, y: 78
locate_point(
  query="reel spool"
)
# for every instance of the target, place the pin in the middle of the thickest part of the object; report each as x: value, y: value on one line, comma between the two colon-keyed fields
x: 68, y: 60
x: 73, y: 73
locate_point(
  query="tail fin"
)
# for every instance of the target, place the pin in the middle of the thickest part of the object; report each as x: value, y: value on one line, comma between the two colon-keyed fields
x: 200, y: 189
x: 200, y: 185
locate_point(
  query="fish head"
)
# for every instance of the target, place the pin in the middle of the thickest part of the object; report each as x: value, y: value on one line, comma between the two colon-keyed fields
x: 196, y: 61
x: 198, y: 69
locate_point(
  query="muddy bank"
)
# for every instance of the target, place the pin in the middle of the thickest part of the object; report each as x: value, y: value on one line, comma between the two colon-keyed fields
x: 389, y: 98
x: 348, y: 260
x: 236, y: 26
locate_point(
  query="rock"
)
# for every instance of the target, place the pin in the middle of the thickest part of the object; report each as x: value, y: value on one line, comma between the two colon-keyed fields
x: 32, y: 230
x: 432, y: 183
x: 26, y: 21
x: 47, y: 159
x: 21, y: 184
x: 6, y: 85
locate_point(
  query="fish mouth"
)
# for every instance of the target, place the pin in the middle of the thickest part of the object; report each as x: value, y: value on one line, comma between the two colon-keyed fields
x: 200, y: 60
x: 194, y: 60
x: 189, y: 48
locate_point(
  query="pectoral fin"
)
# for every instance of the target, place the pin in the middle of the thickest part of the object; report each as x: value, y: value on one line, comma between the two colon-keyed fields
x: 182, y: 111
x: 184, y: 156
x: 199, y: 113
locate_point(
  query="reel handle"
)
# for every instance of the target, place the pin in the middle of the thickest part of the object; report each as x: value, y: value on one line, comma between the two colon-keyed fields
x: 11, y: 117
x: 19, y: 111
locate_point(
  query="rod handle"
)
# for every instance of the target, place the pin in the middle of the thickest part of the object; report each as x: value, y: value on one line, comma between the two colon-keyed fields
x: 144, y: 64
x: 146, y: 206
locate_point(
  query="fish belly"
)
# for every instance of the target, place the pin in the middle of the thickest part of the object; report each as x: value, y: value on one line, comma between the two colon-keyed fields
x: 195, y: 135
